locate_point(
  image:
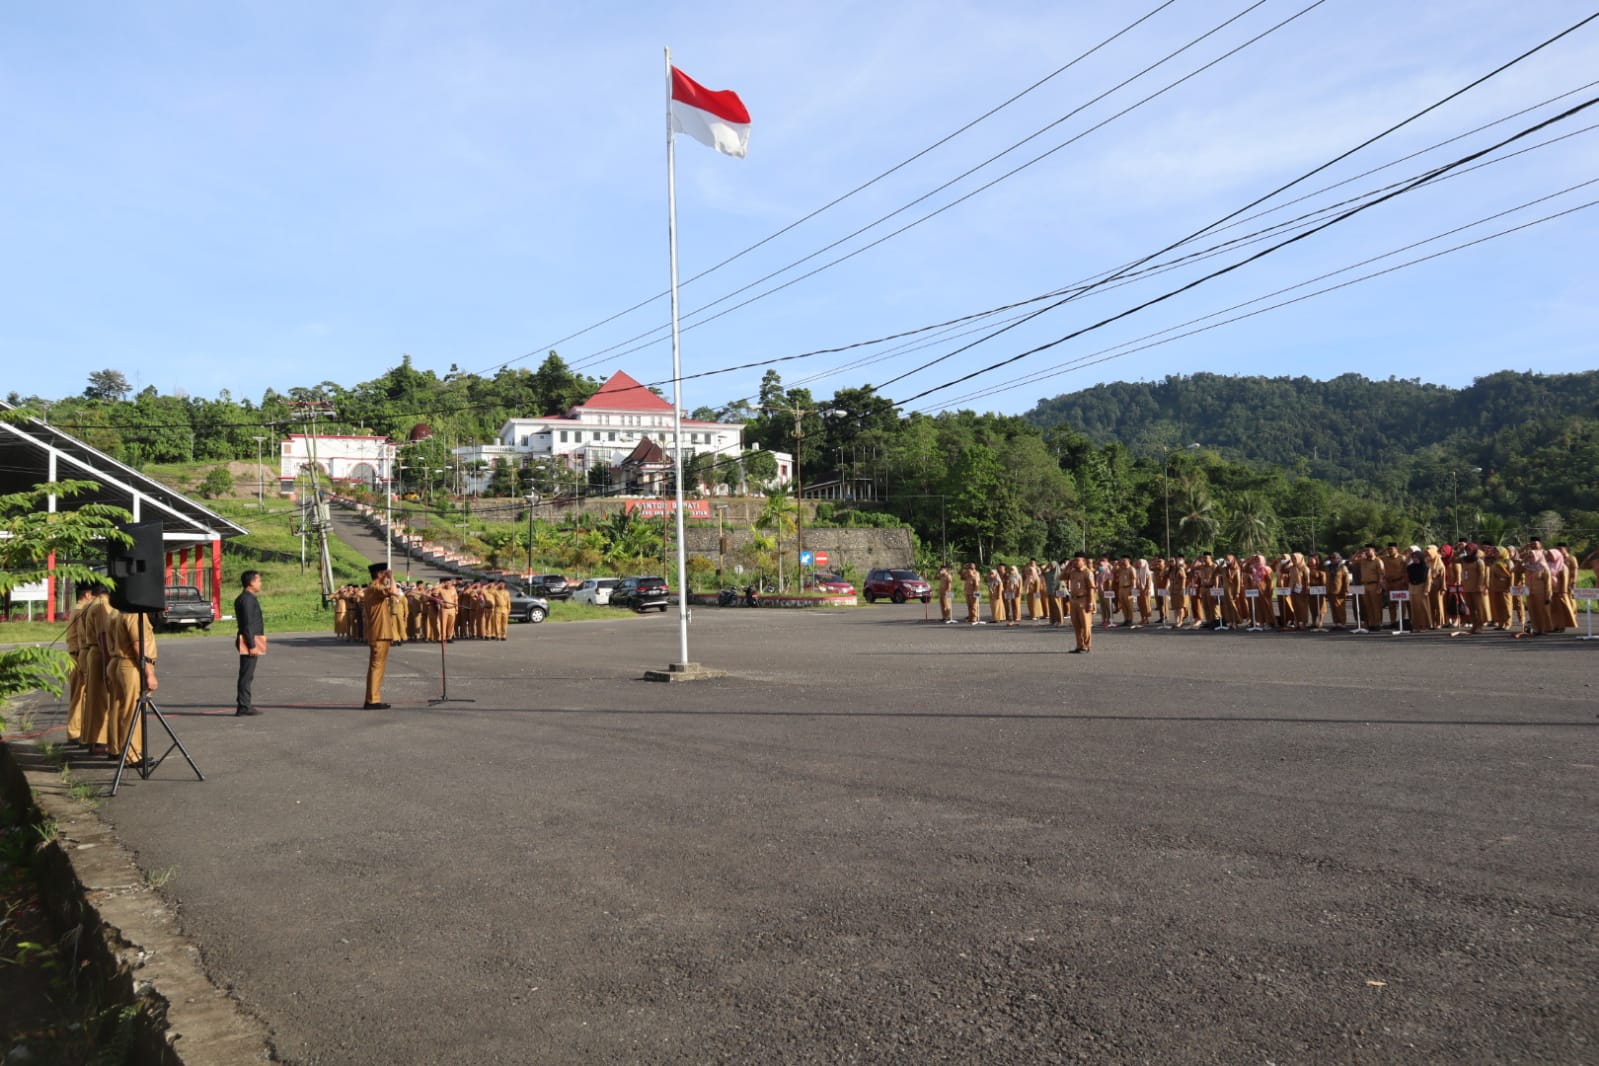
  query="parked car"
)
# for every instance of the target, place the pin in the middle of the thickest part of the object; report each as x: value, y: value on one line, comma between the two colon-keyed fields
x: 528, y: 608
x: 186, y: 606
x: 640, y: 593
x: 596, y: 591
x: 896, y: 585
x: 829, y: 585
x: 549, y: 586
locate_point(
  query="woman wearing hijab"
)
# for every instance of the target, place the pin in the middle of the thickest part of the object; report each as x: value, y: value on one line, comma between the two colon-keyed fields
x: 1539, y: 584
x: 1143, y: 588
x: 1562, y: 607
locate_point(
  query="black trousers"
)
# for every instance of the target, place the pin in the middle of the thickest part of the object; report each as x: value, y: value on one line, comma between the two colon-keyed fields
x: 246, y: 679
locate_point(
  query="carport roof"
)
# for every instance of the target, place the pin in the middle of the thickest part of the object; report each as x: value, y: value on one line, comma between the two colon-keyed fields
x: 33, y: 452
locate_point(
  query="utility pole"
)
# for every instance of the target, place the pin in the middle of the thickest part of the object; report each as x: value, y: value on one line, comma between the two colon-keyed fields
x: 260, y: 476
x: 799, y: 414
x: 318, y: 520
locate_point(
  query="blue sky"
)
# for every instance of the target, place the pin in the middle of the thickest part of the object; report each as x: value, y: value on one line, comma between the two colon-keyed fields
x: 248, y: 196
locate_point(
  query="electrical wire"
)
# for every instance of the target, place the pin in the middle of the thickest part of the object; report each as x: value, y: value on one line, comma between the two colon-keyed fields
x: 990, y: 113
x: 1408, y: 187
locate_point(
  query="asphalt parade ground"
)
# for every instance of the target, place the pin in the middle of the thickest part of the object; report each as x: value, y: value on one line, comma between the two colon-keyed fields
x: 884, y: 840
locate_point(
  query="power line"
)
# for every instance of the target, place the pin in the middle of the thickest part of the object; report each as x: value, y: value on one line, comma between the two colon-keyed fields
x: 1280, y: 189
x: 991, y: 112
x: 593, y: 357
x: 1139, y: 343
x: 1408, y: 187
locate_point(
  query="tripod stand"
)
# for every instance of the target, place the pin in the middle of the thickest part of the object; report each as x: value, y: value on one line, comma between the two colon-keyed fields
x: 146, y: 766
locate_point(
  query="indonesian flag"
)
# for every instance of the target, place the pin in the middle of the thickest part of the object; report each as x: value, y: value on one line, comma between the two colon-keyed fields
x: 715, y: 119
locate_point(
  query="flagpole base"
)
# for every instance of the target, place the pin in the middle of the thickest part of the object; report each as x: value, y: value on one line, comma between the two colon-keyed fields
x: 684, y: 672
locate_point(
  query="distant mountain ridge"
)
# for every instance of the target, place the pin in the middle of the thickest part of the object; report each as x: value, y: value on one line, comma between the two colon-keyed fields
x: 1349, y: 425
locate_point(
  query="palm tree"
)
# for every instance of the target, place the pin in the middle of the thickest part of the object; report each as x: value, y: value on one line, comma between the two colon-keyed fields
x: 1253, y: 526
x: 1197, y: 526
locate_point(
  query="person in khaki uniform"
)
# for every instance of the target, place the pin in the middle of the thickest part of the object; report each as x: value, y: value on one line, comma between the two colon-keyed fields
x: 1416, y: 574
x: 75, y: 679
x: 1032, y: 590
x: 1230, y: 579
x: 1336, y: 575
x: 1370, y: 573
x: 996, y: 595
x: 1121, y: 579
x: 502, y: 610
x: 1143, y: 589
x: 946, y: 595
x: 1081, y: 585
x: 1499, y: 581
x: 1474, y: 588
x: 126, y: 660
x: 1200, y: 577
x: 1176, y: 592
x: 972, y: 588
x: 1011, y: 587
x: 449, y: 609
x: 1394, y: 577
x: 382, y: 629
x: 96, y: 731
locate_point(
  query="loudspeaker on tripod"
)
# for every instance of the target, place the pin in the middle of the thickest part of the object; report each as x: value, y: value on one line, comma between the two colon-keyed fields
x: 138, y: 569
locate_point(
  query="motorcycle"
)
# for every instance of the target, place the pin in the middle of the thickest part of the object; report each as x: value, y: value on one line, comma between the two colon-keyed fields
x: 730, y: 596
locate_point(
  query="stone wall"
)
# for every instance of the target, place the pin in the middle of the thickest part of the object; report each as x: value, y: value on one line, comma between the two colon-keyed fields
x: 862, y: 549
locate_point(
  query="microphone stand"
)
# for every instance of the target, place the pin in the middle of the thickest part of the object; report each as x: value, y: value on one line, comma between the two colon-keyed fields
x: 444, y: 672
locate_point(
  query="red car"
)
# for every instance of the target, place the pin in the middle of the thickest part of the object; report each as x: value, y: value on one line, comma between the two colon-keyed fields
x: 829, y: 585
x: 896, y: 585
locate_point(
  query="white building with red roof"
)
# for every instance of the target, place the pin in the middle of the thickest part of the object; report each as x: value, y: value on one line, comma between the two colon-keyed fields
x: 623, y: 426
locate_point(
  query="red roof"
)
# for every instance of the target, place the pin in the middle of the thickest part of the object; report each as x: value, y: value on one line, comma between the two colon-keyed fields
x: 622, y: 393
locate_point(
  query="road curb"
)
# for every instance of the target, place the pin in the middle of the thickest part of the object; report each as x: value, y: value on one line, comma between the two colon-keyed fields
x: 127, y: 938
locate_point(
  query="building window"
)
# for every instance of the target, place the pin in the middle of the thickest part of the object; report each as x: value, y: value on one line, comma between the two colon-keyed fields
x: 563, y: 436
x: 613, y: 434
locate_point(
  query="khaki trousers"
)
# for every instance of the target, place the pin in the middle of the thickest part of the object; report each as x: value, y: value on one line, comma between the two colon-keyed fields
x: 1083, y: 623
x: 122, y: 677
x: 377, y: 662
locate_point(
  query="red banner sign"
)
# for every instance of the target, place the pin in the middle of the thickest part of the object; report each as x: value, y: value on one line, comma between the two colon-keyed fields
x: 657, y: 508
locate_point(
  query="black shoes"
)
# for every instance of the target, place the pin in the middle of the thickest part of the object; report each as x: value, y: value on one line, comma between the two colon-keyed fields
x: 242, y: 711
x: 374, y: 706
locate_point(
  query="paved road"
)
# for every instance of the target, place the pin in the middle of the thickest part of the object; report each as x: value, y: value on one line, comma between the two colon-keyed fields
x: 351, y: 528
x: 884, y: 841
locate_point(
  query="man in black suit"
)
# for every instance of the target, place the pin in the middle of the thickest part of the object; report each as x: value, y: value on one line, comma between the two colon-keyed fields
x: 252, y: 638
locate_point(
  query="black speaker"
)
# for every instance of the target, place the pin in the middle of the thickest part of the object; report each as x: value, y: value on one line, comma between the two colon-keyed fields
x: 138, y: 570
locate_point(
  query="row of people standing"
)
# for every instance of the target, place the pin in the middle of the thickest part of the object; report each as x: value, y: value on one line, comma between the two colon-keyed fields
x: 450, y: 610
x: 112, y: 653
x: 1527, y: 589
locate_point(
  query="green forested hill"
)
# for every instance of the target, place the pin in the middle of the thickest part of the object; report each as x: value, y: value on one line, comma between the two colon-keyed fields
x: 1531, y: 441
x: 1351, y: 424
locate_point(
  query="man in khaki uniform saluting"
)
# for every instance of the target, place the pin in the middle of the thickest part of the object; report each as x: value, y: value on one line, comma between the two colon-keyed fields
x: 382, y: 630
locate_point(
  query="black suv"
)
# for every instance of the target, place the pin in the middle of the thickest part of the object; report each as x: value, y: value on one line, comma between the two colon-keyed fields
x: 186, y: 606
x: 640, y: 593
x: 549, y: 586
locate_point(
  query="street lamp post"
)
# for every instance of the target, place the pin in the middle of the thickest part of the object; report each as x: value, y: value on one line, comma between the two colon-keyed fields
x: 1454, y: 477
x: 721, y: 543
x: 260, y: 476
x: 532, y: 498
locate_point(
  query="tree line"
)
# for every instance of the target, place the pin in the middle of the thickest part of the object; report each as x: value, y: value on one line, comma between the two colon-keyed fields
x: 1201, y: 462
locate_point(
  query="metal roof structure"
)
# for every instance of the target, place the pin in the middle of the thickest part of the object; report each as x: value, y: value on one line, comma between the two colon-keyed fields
x: 34, y: 452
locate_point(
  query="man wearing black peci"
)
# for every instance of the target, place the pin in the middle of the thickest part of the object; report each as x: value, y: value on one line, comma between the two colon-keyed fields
x: 252, y: 638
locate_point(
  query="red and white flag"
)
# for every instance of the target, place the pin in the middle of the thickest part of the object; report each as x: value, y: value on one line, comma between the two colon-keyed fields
x: 717, y: 119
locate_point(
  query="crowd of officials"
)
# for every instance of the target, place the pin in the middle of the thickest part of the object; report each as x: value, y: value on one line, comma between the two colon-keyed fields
x: 452, y: 609
x: 1467, y: 587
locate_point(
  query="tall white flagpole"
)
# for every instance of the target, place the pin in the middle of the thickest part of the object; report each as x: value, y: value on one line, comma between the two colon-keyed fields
x: 677, y: 375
